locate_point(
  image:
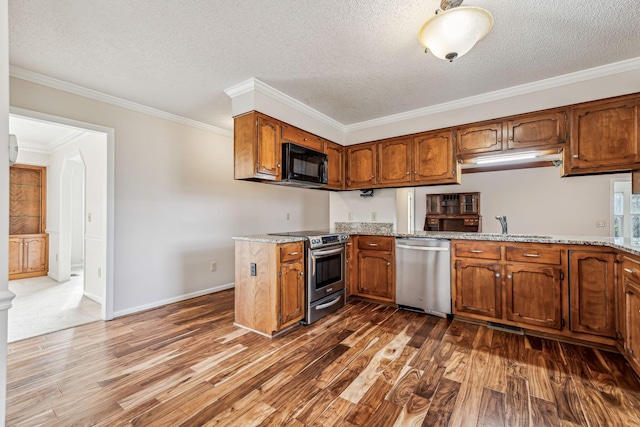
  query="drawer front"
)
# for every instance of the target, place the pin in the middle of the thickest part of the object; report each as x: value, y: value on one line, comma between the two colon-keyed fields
x: 291, y: 252
x: 375, y: 243
x: 481, y: 250
x: 537, y: 254
x: 631, y: 268
x: 300, y: 137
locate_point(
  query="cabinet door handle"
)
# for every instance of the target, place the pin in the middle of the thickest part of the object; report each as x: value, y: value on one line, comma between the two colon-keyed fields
x: 576, y: 156
x: 372, y: 244
x: 531, y: 255
x: 388, y: 263
x: 294, y: 253
x: 302, y: 273
x: 278, y: 165
x: 498, y: 275
x: 408, y: 172
x: 476, y: 251
x: 511, y: 138
x: 509, y: 276
x: 373, y: 176
x: 630, y: 271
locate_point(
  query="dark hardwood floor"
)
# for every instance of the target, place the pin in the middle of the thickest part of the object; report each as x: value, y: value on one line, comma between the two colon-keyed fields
x: 187, y: 365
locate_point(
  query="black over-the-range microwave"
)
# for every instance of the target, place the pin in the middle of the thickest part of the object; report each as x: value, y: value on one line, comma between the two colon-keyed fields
x: 303, y: 166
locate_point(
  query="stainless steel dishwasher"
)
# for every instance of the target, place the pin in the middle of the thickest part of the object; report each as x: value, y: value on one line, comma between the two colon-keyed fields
x: 423, y: 275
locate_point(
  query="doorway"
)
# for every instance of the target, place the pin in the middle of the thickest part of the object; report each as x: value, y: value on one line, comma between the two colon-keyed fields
x: 79, y: 161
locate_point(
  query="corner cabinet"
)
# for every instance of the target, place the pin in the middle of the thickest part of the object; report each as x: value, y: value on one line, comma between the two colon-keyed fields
x: 604, y: 137
x: 257, y: 147
x: 335, y: 160
x: 269, y: 286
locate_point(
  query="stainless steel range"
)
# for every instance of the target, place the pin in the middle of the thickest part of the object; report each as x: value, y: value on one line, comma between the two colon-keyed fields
x: 325, y: 257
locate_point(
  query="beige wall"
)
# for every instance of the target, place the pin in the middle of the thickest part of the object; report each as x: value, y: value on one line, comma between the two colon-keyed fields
x: 176, y: 203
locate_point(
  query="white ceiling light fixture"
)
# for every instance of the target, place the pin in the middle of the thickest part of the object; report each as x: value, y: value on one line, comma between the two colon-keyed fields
x: 454, y: 29
x: 506, y: 158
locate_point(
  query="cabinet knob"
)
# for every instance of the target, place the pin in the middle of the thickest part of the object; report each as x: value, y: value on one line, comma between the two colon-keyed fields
x: 509, y: 276
x: 511, y: 138
x: 416, y: 172
x: 499, y: 139
x: 278, y: 165
x: 373, y: 176
x: 302, y: 273
x: 388, y: 263
x: 498, y: 275
x: 408, y: 172
x: 306, y: 139
x: 576, y: 156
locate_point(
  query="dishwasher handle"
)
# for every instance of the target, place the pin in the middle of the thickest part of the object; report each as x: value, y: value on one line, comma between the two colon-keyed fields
x: 424, y: 248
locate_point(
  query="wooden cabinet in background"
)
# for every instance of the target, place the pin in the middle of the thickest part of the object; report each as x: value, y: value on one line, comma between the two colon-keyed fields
x: 28, y: 243
x: 361, y: 166
x: 604, y: 137
x: 592, y: 293
x: 28, y: 256
x: 335, y: 160
x: 376, y: 268
x: 269, y: 285
x: 257, y: 147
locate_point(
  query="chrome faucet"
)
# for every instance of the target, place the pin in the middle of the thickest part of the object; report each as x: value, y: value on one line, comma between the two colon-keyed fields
x: 503, y: 223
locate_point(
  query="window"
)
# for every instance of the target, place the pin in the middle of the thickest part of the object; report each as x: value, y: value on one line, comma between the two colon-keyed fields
x: 626, y: 212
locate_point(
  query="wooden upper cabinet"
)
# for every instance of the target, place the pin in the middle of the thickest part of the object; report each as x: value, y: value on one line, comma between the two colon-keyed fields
x: 394, y: 161
x: 604, y: 136
x: 484, y: 138
x: 257, y: 152
x: 301, y: 137
x: 536, y: 130
x: 592, y: 293
x: 434, y: 161
x: 361, y: 166
x: 335, y: 158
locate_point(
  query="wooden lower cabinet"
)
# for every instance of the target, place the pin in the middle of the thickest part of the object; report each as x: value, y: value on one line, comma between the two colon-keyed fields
x: 270, y: 285
x: 632, y: 324
x: 592, y: 293
x: 375, y: 268
x: 28, y: 256
x: 534, y: 295
x: 478, y: 288
x: 351, y: 267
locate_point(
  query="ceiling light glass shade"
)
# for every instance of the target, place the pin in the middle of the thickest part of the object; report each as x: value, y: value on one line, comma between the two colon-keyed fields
x: 452, y: 33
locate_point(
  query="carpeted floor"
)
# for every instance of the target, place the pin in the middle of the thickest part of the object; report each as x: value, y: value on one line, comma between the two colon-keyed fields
x: 43, y: 305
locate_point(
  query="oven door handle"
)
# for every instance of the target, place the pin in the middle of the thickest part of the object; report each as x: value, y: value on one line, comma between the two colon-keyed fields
x: 328, y: 252
x: 328, y: 304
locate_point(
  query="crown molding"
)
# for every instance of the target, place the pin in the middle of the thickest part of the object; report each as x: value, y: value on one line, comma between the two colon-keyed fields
x: 255, y: 85
x: 550, y: 83
x: 53, y: 83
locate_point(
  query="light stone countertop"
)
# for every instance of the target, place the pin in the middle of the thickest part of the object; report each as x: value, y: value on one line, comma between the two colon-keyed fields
x: 626, y: 245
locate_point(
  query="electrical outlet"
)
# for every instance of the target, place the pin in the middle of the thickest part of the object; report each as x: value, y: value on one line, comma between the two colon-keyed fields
x: 350, y: 216
x: 253, y: 269
x: 600, y: 224
x: 374, y: 216
x: 214, y: 266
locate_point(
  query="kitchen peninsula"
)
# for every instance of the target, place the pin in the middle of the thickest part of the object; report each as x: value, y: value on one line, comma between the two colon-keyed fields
x: 575, y: 288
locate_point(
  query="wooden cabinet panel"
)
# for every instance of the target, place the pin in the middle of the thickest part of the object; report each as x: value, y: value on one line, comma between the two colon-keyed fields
x: 301, y: 137
x: 434, y: 161
x: 335, y: 160
x: 478, y: 288
x: 361, y: 166
x: 394, y: 161
x: 351, y: 261
x: 291, y: 293
x: 592, y: 293
x: 480, y: 249
x: 604, y: 134
x: 376, y: 275
x: 257, y: 148
x: 15, y: 256
x: 632, y: 324
x: 28, y: 256
x: 378, y: 243
x: 534, y: 295
x: 27, y: 199
x: 532, y: 253
x: 476, y: 139
x: 270, y: 297
x: 535, y: 130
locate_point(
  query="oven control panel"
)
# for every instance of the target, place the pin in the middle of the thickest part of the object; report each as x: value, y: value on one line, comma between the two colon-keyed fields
x: 327, y: 240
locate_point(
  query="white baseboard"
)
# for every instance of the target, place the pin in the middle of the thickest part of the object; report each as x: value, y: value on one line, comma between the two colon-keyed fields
x: 156, y: 304
x: 54, y: 277
x: 77, y: 267
x: 94, y: 297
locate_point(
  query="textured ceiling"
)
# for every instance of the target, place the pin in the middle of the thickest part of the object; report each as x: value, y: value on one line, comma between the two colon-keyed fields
x: 352, y: 60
